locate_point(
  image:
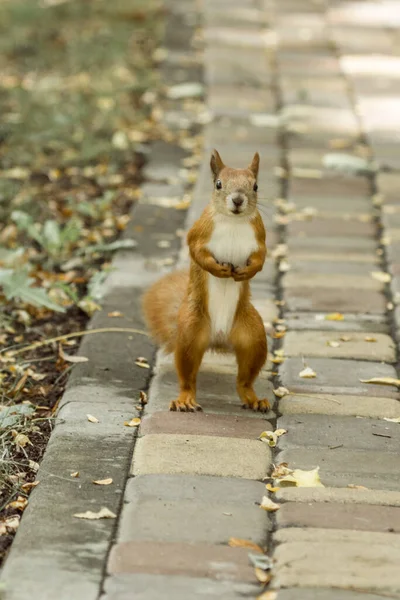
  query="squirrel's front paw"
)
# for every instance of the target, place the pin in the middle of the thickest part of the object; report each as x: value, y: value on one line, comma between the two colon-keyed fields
x: 223, y: 270
x: 186, y: 402
x: 243, y: 273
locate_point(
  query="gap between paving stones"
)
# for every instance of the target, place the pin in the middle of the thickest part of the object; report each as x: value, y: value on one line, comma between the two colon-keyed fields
x: 70, y: 553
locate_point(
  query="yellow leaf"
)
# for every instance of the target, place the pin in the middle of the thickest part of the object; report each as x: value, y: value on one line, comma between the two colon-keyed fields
x: 300, y: 478
x: 71, y: 359
x: 268, y: 505
x: 381, y: 276
x: 20, y: 503
x: 103, y: 513
x: 334, y: 317
x: 92, y: 419
x: 382, y: 381
x: 20, y: 439
x: 74, y: 474
x: 143, y: 397
x: 271, y: 595
x: 141, y: 361
x: 333, y: 344
x: 345, y: 338
x: 307, y: 373
x: 132, y: 423
x: 262, y: 576
x: 269, y: 437
x: 280, y: 392
x: 103, y: 481
x: 271, y: 488
x: 395, y: 420
x: 357, y: 487
x: 115, y: 313
x: 370, y: 339
x: 280, y: 471
x: 240, y: 543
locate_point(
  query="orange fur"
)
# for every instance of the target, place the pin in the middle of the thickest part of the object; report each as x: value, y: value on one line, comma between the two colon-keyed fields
x: 177, y: 307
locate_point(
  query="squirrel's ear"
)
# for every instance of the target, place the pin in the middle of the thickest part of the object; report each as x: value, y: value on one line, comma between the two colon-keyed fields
x: 216, y: 164
x: 255, y: 163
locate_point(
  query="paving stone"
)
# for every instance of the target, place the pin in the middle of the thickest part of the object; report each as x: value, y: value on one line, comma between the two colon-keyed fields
x: 340, y: 283
x: 329, y: 431
x: 330, y: 186
x: 201, y: 455
x: 316, y: 343
x: 327, y: 265
x: 343, y: 405
x: 337, y: 376
x: 338, y: 559
x: 300, y: 321
x: 216, y: 393
x: 203, y: 424
x: 324, y: 594
x: 192, y: 510
x: 198, y: 560
x: 335, y: 299
x: 153, y: 587
x: 338, y: 495
x: 343, y: 466
x: 339, y: 516
x: 339, y: 246
x: 317, y: 227
x: 318, y: 255
x: 335, y: 206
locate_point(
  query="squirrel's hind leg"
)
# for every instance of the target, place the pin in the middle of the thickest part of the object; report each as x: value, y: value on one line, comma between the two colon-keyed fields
x: 192, y: 341
x: 250, y: 344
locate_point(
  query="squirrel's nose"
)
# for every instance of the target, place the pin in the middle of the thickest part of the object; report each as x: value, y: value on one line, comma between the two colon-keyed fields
x: 237, y: 201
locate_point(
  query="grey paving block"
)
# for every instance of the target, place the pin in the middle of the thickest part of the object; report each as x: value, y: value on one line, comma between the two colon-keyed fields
x: 335, y: 299
x: 299, y: 321
x: 328, y: 431
x: 155, y: 587
x: 336, y: 376
x: 316, y: 593
x: 193, y: 509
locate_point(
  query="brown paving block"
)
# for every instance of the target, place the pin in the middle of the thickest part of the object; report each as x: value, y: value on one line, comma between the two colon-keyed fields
x: 176, y: 454
x: 331, y: 227
x: 199, y: 560
x: 204, y: 424
x: 318, y: 343
x: 325, y: 299
x: 339, y: 516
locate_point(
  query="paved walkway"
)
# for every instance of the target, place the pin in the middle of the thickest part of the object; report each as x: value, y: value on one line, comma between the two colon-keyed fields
x: 306, y: 83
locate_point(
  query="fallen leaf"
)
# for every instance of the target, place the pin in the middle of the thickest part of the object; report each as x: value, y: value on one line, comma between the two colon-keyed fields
x: 29, y: 485
x: 141, y: 361
x: 34, y: 466
x: 20, y: 503
x: 370, y: 339
x: 20, y: 439
x: 382, y: 381
x: 12, y: 523
x: 75, y: 474
x: 395, y: 420
x: 345, y: 338
x: 133, y: 422
x: 115, y: 313
x: 103, y: 481
x: 280, y: 392
x: 104, y: 513
x: 240, y: 543
x: 271, y: 595
x: 307, y: 373
x: 333, y: 344
x: 262, y: 576
x: 357, y: 487
x: 278, y: 360
x: 71, y: 359
x: 334, y: 317
x: 300, y: 478
x: 268, y: 505
x: 92, y: 419
x: 271, y: 488
x: 381, y: 276
x: 143, y: 397
x: 280, y: 471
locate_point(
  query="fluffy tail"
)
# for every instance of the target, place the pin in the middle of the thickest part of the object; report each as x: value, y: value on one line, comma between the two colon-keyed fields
x: 161, y: 305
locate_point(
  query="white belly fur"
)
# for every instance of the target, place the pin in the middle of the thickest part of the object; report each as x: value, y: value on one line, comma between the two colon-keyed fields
x: 232, y: 241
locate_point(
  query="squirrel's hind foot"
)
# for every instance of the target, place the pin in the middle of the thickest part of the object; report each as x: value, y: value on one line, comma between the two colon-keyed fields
x: 250, y: 400
x: 186, y: 402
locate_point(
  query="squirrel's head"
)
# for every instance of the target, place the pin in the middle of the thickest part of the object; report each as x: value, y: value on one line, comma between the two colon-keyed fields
x: 235, y: 190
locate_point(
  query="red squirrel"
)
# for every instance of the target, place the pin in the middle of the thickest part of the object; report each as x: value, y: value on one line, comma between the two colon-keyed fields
x: 209, y: 307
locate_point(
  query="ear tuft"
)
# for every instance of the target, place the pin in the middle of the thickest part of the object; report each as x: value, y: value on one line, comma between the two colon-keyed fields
x: 216, y: 164
x: 254, y: 165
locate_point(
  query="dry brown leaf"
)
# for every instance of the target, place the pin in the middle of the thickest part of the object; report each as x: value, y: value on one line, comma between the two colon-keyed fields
x: 20, y: 503
x: 20, y: 439
x: 345, y: 338
x: 74, y: 474
x: 280, y: 471
x: 92, y: 419
x: 12, y: 523
x: 103, y: 513
x: 268, y: 504
x: 103, y: 481
x: 334, y: 317
x: 143, y: 397
x: 141, y: 361
x: 353, y: 486
x: 29, y: 485
x: 71, y: 359
x: 115, y: 313
x: 382, y: 381
x: 280, y: 392
x: 240, y: 543
x: 370, y: 339
x: 262, y: 576
x: 307, y: 373
x: 133, y: 422
x: 271, y: 595
x: 272, y: 488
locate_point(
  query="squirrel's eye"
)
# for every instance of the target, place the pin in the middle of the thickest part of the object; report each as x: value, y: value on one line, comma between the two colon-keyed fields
x: 255, y: 187
x: 218, y: 184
